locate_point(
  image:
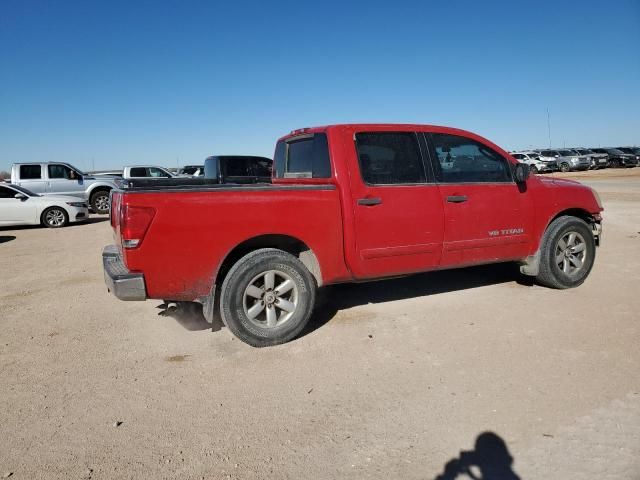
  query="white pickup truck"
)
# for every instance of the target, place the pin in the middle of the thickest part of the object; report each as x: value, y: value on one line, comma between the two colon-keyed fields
x: 146, y: 171
x: 63, y: 179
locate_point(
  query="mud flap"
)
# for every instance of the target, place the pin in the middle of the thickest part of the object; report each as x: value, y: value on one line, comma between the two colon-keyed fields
x: 208, y: 305
x: 531, y: 265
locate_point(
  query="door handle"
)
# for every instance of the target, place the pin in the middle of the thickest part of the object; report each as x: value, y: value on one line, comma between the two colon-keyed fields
x: 369, y: 202
x: 456, y: 198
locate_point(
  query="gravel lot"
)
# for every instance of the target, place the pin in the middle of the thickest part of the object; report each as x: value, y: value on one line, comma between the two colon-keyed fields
x: 394, y: 379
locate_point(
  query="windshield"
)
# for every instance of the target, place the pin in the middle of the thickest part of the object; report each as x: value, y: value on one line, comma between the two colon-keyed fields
x: 566, y: 153
x: 614, y: 151
x: 25, y: 191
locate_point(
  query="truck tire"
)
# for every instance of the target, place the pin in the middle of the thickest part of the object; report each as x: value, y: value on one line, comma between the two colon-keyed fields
x: 567, y: 253
x: 565, y: 167
x: 99, y: 201
x: 267, y: 297
x: 54, y: 217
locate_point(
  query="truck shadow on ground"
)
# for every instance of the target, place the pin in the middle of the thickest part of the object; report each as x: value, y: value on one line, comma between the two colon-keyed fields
x: 489, y: 460
x: 334, y: 298
x: 189, y: 315
x: 88, y: 221
x: 6, y: 238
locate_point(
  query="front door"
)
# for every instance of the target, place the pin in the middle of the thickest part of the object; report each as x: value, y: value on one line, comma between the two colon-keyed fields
x: 488, y: 217
x: 398, y: 214
x: 63, y: 180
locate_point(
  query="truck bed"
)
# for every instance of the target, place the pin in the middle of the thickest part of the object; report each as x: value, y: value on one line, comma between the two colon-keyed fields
x: 196, y: 225
x: 185, y: 183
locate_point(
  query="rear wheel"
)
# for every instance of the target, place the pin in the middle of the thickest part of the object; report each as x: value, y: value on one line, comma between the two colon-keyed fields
x: 564, y: 167
x: 567, y: 253
x: 267, y: 297
x: 54, y: 217
x: 100, y: 201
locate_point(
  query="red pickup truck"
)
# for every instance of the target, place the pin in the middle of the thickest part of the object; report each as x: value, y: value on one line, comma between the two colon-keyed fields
x: 346, y: 203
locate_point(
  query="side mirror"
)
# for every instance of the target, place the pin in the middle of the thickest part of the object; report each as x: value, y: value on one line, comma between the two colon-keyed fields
x: 522, y: 172
x: 20, y: 196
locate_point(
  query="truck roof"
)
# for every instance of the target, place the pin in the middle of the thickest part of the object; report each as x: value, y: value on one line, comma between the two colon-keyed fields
x: 40, y: 163
x: 382, y: 126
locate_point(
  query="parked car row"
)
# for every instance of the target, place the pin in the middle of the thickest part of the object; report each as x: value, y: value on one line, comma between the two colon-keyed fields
x: 56, y: 194
x: 575, y: 159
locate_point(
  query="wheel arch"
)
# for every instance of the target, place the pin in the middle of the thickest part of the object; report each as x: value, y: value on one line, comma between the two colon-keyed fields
x: 572, y: 212
x: 530, y: 265
x: 46, y: 208
x: 96, y: 187
x: 287, y: 243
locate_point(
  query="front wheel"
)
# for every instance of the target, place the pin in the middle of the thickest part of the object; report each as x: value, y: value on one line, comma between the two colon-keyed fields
x: 100, y: 201
x: 567, y: 253
x: 54, y: 217
x: 267, y: 297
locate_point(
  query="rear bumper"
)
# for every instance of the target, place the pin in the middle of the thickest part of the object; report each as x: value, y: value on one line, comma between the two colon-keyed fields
x: 120, y: 281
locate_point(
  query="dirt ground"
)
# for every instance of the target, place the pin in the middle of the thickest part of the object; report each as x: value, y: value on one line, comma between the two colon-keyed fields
x: 396, y: 379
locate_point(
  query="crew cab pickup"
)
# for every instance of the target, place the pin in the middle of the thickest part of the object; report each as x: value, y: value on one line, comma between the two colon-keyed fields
x: 346, y: 203
x: 64, y: 179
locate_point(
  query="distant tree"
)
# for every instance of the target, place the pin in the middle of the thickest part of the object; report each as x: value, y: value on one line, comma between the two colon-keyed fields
x: 5, y: 175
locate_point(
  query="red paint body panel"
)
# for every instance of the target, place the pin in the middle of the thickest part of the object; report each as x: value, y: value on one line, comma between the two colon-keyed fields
x: 413, y: 229
x: 193, y: 232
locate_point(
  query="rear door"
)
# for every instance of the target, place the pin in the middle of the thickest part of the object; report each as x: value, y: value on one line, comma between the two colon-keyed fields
x: 488, y: 217
x: 397, y: 210
x: 32, y: 178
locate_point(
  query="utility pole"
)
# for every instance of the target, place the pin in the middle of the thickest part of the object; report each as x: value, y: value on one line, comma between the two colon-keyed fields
x: 549, y: 126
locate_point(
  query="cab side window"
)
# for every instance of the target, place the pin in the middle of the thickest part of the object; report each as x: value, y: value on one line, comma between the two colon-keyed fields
x: 157, y: 173
x: 30, y: 172
x: 463, y: 160
x: 138, y: 172
x: 390, y: 158
x: 60, y: 171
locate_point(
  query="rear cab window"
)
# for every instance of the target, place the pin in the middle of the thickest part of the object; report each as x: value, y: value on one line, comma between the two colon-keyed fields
x: 304, y: 156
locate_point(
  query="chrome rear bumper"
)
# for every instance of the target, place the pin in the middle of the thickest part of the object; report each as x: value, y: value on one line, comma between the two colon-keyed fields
x: 120, y: 281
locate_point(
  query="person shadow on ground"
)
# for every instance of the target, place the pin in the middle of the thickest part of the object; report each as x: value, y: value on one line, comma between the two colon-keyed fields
x: 490, y: 460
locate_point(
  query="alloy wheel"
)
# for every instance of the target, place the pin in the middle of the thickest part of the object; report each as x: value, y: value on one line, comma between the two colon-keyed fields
x: 270, y: 299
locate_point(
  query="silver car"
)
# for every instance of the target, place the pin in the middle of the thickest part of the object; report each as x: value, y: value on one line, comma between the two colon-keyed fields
x: 567, y: 160
x: 598, y: 160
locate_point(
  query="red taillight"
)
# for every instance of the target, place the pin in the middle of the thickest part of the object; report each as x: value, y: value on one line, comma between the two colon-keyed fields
x: 134, y: 223
x: 115, y: 208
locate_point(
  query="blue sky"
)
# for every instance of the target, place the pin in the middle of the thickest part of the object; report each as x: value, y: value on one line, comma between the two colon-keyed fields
x: 120, y: 82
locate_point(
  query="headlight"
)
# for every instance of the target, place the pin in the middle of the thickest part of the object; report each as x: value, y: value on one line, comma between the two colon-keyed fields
x: 77, y: 204
x: 597, y: 197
